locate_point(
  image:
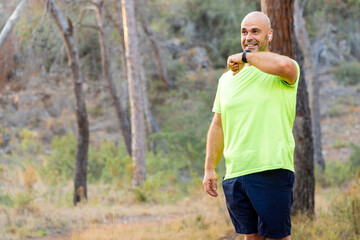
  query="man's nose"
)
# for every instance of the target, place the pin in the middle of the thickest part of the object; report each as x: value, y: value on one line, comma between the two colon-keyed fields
x: 248, y: 37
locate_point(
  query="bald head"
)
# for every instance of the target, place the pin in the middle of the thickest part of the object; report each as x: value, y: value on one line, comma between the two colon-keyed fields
x: 257, y: 18
x: 256, y: 32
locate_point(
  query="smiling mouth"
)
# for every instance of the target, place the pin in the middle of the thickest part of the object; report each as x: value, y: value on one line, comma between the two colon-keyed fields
x: 250, y: 45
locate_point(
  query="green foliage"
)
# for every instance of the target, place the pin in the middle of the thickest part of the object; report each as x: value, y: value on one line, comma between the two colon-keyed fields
x: 89, y: 55
x: 203, y: 23
x: 22, y: 198
x: 346, y: 209
x: 109, y: 161
x: 335, y: 174
x: 219, y: 27
x: 61, y: 162
x: 29, y: 143
x: 335, y: 110
x: 338, y: 173
x: 105, y: 162
x: 168, y: 179
x: 354, y: 159
x: 140, y: 195
x: 185, y: 132
x: 5, y: 199
x: 339, y: 220
x: 348, y: 73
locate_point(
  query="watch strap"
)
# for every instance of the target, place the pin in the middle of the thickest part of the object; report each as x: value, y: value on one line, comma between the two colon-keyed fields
x: 244, y: 56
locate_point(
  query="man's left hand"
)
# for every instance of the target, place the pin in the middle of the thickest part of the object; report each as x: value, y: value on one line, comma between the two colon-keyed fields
x: 235, y: 63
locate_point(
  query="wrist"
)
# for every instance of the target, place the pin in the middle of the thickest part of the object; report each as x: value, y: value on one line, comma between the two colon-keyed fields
x: 244, y: 56
x: 209, y: 169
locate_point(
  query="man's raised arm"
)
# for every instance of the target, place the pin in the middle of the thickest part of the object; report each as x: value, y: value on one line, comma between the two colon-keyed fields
x: 271, y: 63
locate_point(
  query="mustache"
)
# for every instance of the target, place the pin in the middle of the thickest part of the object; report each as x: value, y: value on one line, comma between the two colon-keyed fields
x: 251, y: 42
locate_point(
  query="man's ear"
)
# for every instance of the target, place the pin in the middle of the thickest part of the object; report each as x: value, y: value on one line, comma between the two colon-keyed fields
x: 270, y: 35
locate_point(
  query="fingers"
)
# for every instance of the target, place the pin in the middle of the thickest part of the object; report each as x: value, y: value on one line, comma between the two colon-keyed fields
x: 229, y: 62
x: 210, y: 186
x: 233, y: 66
x: 214, y: 186
x: 235, y: 69
x: 236, y: 58
x: 211, y: 191
x: 235, y: 63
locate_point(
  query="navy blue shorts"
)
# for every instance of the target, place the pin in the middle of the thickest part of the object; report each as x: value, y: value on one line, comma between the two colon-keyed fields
x: 261, y: 202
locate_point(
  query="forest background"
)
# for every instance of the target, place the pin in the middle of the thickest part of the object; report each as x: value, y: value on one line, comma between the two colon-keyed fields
x: 38, y: 122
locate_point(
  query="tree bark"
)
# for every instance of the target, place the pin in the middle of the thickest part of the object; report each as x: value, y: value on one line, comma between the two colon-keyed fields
x: 151, y: 122
x: 304, y: 186
x: 105, y: 64
x: 66, y: 31
x: 136, y: 102
x: 119, y: 26
x: 280, y: 13
x: 281, y: 17
x: 11, y: 22
x: 311, y: 75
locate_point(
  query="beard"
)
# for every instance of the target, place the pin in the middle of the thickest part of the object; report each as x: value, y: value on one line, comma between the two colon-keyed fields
x: 262, y: 46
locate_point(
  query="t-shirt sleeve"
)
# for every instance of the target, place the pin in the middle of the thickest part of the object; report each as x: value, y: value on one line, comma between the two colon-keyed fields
x: 297, y: 78
x: 217, y: 107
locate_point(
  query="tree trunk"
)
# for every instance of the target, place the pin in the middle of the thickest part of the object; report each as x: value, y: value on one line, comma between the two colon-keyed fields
x: 311, y: 75
x: 119, y: 26
x: 281, y: 16
x: 280, y: 13
x: 136, y: 103
x: 105, y: 64
x: 66, y: 31
x: 11, y: 22
x: 151, y: 122
x: 304, y: 151
x: 161, y: 68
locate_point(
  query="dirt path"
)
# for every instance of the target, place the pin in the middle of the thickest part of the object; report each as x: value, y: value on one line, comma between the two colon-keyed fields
x: 191, y: 221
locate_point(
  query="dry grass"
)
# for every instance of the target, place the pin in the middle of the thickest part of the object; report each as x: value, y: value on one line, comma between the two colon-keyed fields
x: 203, y: 217
x: 196, y: 217
x: 114, y: 213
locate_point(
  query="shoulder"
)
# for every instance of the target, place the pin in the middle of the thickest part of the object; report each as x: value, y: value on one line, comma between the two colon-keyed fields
x: 297, y: 65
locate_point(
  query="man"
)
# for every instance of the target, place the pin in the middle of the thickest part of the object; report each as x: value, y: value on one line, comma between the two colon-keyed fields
x: 252, y: 127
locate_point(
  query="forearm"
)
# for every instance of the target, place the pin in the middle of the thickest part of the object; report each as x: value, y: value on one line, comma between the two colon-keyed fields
x: 268, y: 62
x: 214, y: 147
x: 214, y: 151
x: 275, y: 64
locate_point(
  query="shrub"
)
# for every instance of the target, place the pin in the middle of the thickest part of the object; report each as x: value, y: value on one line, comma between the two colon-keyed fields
x: 348, y: 73
x: 338, y: 173
x: 346, y: 209
x: 106, y: 162
x: 354, y: 159
x: 5, y: 199
x: 335, y: 174
x: 61, y: 162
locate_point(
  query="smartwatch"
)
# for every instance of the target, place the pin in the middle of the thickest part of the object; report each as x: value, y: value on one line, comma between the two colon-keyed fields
x: 244, y: 56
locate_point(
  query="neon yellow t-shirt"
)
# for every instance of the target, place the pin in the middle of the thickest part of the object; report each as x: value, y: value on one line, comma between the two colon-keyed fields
x: 257, y: 113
